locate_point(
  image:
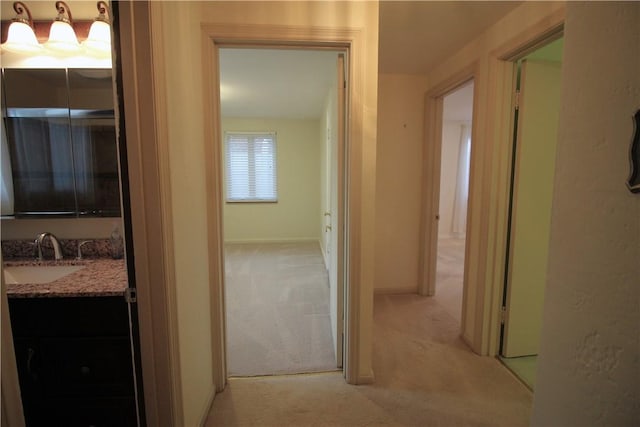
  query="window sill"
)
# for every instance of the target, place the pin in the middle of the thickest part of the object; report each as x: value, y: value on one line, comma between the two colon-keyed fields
x: 251, y: 201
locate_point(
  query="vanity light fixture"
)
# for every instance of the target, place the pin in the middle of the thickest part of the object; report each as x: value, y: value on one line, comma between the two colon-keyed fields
x: 99, y: 40
x: 20, y: 36
x: 62, y: 38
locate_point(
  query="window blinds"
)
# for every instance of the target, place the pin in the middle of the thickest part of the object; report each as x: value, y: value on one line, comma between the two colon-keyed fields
x: 251, y: 167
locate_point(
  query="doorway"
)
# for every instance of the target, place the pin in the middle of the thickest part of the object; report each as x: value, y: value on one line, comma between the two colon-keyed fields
x: 455, y: 156
x: 282, y: 141
x: 535, y: 121
x: 70, y: 372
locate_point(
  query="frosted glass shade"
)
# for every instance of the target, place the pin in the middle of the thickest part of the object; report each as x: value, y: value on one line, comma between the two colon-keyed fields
x: 21, y: 38
x: 99, y: 40
x: 62, y: 38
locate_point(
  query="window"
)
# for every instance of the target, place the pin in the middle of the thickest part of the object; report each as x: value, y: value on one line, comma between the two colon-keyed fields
x: 251, y: 167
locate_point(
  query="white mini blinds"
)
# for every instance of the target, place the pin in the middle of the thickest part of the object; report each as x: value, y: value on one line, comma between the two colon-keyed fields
x: 251, y: 167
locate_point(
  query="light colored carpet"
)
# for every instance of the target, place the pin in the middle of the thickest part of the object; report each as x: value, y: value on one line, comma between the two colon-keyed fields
x: 450, y: 274
x: 425, y: 376
x: 277, y: 304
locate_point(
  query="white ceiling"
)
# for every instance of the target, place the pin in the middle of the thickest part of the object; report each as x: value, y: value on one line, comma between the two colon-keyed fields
x: 275, y: 82
x: 416, y: 35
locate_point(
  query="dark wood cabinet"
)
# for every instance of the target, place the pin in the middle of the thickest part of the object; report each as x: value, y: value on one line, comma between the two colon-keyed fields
x: 74, y: 361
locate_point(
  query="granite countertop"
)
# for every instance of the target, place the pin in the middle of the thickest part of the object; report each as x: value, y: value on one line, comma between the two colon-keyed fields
x: 99, y: 277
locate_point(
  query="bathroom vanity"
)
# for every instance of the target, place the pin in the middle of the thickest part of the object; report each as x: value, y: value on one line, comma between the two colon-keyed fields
x: 72, y: 344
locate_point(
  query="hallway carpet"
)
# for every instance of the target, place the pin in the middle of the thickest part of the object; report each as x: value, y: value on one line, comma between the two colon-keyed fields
x: 424, y: 376
x: 450, y: 275
x: 277, y: 307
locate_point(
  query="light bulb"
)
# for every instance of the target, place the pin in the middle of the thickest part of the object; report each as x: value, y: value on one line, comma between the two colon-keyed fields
x: 99, y: 40
x: 20, y: 36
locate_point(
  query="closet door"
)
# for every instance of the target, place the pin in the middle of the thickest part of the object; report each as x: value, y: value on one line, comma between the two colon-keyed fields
x: 531, y: 212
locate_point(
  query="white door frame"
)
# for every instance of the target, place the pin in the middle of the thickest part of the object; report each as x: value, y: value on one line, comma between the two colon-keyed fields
x: 10, y: 401
x: 215, y: 36
x: 434, y: 101
x: 485, y: 249
x: 334, y: 220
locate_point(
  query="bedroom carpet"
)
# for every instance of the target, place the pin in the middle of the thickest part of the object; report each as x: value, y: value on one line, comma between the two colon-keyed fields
x: 450, y: 274
x: 277, y: 305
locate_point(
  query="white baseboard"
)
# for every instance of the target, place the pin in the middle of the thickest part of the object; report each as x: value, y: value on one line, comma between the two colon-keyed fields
x: 366, y: 379
x: 207, y: 407
x: 324, y: 256
x: 458, y: 236
x: 294, y: 240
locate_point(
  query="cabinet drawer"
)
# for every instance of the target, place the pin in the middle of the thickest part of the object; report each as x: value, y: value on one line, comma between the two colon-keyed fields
x: 69, y: 317
x: 86, y: 367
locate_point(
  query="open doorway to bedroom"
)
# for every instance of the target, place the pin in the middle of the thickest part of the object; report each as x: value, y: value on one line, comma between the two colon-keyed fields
x: 282, y: 137
x: 455, y: 156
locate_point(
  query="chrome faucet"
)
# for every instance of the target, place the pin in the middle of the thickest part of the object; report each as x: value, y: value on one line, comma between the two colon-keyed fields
x: 54, y: 241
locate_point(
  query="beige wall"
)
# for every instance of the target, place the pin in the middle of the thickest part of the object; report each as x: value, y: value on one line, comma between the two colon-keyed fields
x: 399, y: 186
x: 296, y: 215
x: 178, y: 25
x: 588, y: 367
x: 177, y: 33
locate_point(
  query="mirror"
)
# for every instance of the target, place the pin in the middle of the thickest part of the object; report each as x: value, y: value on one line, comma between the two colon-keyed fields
x: 61, y: 139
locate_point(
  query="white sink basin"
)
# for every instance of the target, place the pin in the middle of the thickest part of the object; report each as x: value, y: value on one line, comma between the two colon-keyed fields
x: 38, y: 274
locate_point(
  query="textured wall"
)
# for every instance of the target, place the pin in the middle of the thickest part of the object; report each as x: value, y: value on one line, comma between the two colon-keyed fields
x: 589, y: 368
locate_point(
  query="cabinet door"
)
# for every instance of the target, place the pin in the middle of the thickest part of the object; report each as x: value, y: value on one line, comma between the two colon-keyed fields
x: 90, y: 91
x: 29, y: 364
x: 40, y: 89
x: 96, y: 166
x: 61, y: 136
x: 115, y: 412
x: 39, y: 140
x: 94, y: 142
x: 79, y: 367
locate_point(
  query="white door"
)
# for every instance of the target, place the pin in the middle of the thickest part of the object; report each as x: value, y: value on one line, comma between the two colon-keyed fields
x: 334, y: 236
x: 531, y: 206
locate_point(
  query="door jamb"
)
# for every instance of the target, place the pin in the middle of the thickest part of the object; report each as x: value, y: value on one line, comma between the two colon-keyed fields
x: 150, y: 200
x: 213, y: 37
x: 433, y: 104
x: 486, y: 224
x: 508, y: 63
x: 503, y: 82
x: 10, y: 399
x: 434, y: 101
